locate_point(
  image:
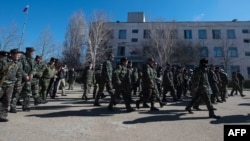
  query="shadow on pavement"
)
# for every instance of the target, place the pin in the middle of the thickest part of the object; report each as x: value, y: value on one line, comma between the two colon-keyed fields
x: 103, y: 111
x: 233, y: 119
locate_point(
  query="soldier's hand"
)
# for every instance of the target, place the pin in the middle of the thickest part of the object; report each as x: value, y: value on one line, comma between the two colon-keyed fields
x: 119, y: 82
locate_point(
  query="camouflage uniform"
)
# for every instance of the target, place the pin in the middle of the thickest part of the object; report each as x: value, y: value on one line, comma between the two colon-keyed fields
x: 200, y: 87
x: 236, y: 85
x: 88, y: 79
x: 149, y: 85
x: 11, y: 76
x: 122, y: 79
x: 28, y: 64
x: 168, y: 84
x: 71, y: 78
x: 39, y: 68
x: 224, y: 83
x: 98, y: 76
x: 106, y: 80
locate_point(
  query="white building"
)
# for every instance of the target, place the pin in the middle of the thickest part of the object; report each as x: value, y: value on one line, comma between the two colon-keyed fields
x: 214, y: 36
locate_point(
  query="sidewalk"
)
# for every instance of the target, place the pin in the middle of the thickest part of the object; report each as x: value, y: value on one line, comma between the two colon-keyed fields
x: 68, y: 118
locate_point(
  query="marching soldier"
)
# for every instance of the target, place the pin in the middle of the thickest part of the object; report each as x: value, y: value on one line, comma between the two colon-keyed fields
x: 98, y: 76
x: 106, y: 80
x: 88, y: 79
x: 200, y: 86
x: 122, y: 79
x: 71, y: 78
x: 11, y: 76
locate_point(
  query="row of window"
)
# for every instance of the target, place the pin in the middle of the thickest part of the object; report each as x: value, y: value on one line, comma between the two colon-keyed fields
x: 188, y: 34
x: 218, y: 51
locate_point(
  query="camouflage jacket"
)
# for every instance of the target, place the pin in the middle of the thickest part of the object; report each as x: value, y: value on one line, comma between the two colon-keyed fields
x: 13, y: 75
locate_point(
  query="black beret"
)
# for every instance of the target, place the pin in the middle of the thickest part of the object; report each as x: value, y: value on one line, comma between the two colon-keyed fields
x: 30, y: 49
x: 203, y: 60
x: 38, y: 57
x: 16, y: 50
x: 52, y: 59
x: 123, y: 59
x: 3, y: 53
x: 151, y: 60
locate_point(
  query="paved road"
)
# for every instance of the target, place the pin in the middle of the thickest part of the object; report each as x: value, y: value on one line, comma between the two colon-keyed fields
x: 69, y: 118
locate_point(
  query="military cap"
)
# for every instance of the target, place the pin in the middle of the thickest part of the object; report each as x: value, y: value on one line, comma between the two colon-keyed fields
x: 3, y: 53
x: 151, y: 60
x: 15, y: 50
x: 123, y: 59
x: 30, y: 49
x: 52, y: 59
x: 111, y: 55
x: 203, y: 61
x: 38, y: 57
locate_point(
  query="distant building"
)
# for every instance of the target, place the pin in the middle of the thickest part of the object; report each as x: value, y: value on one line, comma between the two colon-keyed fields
x: 129, y: 36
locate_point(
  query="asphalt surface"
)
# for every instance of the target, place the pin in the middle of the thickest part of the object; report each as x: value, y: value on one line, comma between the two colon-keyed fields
x: 69, y: 118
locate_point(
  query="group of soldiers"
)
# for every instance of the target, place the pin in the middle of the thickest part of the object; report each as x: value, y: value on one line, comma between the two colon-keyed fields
x: 23, y: 77
x: 206, y: 83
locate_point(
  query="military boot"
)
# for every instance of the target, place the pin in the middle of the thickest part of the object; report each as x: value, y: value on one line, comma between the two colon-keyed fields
x: 13, y: 110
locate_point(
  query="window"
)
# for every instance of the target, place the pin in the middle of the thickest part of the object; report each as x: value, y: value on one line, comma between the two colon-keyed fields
x: 246, y: 40
x: 187, y: 34
x: 231, y: 34
x: 218, y: 52
x: 204, y: 52
x: 232, y: 52
x: 173, y: 34
x: 134, y: 40
x: 248, y: 72
x: 160, y: 33
x: 135, y: 31
x: 146, y: 34
x: 202, y: 34
x: 216, y: 34
x: 247, y: 53
x: 121, y: 51
x: 122, y: 34
x: 245, y: 31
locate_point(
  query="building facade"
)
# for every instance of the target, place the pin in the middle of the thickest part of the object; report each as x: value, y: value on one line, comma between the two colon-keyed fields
x: 219, y: 41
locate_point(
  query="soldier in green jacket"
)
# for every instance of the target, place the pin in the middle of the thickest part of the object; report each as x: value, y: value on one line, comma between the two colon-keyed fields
x: 88, y: 79
x: 48, y: 74
x: 122, y: 79
x: 200, y: 86
x: 10, y: 76
x: 106, y: 80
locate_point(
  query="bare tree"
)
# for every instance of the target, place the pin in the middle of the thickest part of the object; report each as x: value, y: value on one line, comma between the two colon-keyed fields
x: 162, y: 40
x: 226, y: 44
x: 185, y: 53
x: 9, y: 37
x: 99, y: 36
x: 75, y: 40
x: 45, y: 44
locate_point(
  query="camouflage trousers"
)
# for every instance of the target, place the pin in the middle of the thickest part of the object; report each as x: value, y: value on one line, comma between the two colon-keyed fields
x: 5, y: 97
x: 35, y: 90
x: 26, y: 94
